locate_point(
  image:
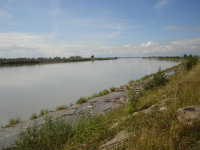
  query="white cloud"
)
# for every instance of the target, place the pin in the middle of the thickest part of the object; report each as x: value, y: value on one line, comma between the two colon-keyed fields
x: 148, y: 44
x: 182, y: 28
x: 14, y: 45
x: 161, y: 4
x: 113, y: 34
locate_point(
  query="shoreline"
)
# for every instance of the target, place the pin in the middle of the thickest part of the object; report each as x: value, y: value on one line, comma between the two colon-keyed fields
x: 174, y: 69
x: 73, y: 112
x: 37, y: 62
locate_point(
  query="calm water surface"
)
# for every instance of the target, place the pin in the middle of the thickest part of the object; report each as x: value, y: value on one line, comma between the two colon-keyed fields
x: 30, y: 88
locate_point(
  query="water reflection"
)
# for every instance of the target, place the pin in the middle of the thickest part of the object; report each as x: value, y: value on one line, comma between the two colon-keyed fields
x: 25, y: 89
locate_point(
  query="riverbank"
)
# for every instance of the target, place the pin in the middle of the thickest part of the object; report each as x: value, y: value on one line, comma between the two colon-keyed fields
x: 45, y: 61
x: 112, y: 99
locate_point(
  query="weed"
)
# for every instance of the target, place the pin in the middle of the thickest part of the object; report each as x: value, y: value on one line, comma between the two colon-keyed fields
x: 81, y: 100
x: 33, y: 116
x: 112, y: 89
x: 105, y: 92
x: 60, y: 107
x: 100, y: 94
x: 49, y: 135
x: 43, y: 112
x: 13, y: 121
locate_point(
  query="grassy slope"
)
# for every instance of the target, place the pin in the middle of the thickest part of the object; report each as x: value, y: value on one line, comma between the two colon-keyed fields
x: 158, y: 130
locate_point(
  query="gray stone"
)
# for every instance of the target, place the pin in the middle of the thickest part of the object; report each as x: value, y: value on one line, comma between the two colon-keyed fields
x: 189, y: 114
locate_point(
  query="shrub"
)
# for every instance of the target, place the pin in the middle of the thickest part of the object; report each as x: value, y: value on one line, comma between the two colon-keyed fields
x: 158, y: 79
x: 60, y: 107
x: 13, y: 121
x: 50, y: 135
x: 112, y: 89
x: 81, y: 100
x: 105, y: 92
x: 188, y: 65
x: 33, y: 116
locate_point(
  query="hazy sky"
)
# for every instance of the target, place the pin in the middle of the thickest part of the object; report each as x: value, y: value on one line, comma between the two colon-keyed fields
x: 49, y: 28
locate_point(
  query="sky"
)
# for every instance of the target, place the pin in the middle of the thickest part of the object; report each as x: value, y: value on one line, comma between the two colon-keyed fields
x: 103, y: 28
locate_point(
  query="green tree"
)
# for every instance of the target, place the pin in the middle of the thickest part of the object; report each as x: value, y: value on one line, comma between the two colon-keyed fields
x: 185, y: 56
x: 189, y: 65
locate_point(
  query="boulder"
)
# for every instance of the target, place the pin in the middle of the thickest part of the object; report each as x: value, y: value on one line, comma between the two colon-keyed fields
x: 189, y: 114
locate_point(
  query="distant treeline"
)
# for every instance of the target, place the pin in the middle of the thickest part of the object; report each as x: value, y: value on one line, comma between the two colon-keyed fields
x: 4, y: 61
x: 165, y: 57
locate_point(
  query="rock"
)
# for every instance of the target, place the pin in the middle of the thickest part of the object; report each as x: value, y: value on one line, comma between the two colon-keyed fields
x: 189, y: 114
x: 120, y: 137
x: 153, y: 107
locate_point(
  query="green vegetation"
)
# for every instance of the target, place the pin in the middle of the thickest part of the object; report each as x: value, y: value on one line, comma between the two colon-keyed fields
x: 43, y: 112
x: 191, y: 61
x: 159, y: 79
x: 60, y: 107
x: 100, y: 94
x: 84, y: 99
x: 105, y: 92
x: 81, y: 100
x: 11, y: 122
x: 50, y: 135
x: 4, y: 61
x: 112, y: 89
x: 33, y: 116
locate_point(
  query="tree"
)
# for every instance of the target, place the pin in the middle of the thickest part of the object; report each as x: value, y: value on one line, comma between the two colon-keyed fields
x: 185, y: 56
x: 189, y: 65
x: 92, y: 56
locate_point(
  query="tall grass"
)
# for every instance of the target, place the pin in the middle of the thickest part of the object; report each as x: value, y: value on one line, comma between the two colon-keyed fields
x: 43, y: 112
x: 11, y: 122
x: 81, y: 100
x: 60, y: 107
x: 33, y: 116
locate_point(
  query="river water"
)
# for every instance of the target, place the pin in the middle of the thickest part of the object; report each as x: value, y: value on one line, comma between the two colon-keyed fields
x: 29, y: 88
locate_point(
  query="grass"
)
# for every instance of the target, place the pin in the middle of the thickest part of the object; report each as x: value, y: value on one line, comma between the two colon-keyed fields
x: 11, y: 122
x: 43, y: 112
x: 81, y: 100
x: 112, y: 89
x: 105, y: 92
x: 156, y: 130
x: 61, y: 107
x: 84, y: 99
x: 33, y: 116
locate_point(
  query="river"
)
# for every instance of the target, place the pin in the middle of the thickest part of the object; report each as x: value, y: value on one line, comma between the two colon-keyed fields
x: 25, y: 89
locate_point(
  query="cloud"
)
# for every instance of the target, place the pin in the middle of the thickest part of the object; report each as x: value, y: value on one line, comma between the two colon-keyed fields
x: 148, y: 44
x: 161, y: 4
x: 113, y: 34
x: 14, y: 45
x: 181, y: 28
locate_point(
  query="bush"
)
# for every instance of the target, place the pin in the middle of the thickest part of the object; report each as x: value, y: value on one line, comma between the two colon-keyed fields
x: 112, y: 89
x: 50, y: 135
x: 158, y: 79
x: 81, y: 100
x: 188, y: 65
